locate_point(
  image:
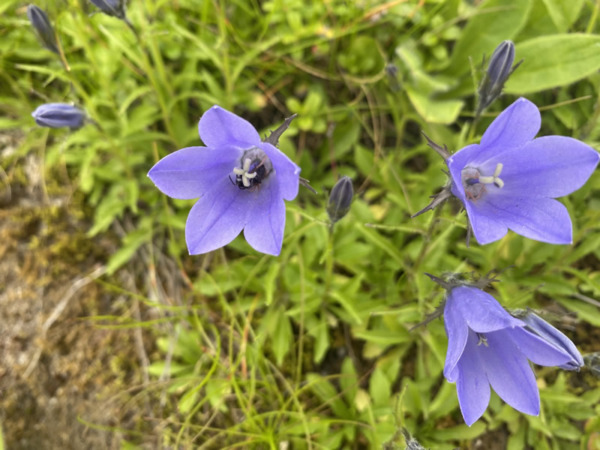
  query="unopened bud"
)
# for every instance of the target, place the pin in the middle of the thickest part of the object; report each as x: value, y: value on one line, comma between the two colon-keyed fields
x: 498, y: 71
x: 340, y: 199
x: 545, y: 331
x: 43, y: 28
x: 58, y: 115
x: 115, y: 8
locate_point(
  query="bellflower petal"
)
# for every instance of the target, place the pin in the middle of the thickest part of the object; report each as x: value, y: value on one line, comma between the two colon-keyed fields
x: 457, y: 331
x: 187, y: 173
x: 509, y: 181
x: 289, y: 178
x: 542, y: 219
x: 217, y: 218
x: 264, y: 230
x: 539, y: 351
x: 486, y: 227
x: 472, y: 385
x: 456, y: 163
x: 563, y: 165
x: 509, y: 372
x: 479, y: 310
x: 220, y: 128
x: 514, y: 127
x: 242, y: 184
x: 551, y: 336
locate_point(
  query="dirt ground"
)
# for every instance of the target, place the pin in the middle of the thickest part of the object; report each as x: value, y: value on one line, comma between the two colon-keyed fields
x: 64, y: 381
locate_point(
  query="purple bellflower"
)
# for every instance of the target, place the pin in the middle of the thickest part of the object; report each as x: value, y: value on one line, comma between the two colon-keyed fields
x: 510, y: 180
x: 58, y: 115
x: 242, y: 183
x: 487, y: 346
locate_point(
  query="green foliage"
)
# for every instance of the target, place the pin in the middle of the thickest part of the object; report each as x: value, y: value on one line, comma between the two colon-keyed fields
x: 316, y: 348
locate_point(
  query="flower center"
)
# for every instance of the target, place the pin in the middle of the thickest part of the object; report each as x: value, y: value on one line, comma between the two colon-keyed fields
x: 475, y: 184
x: 255, y: 167
x: 482, y: 340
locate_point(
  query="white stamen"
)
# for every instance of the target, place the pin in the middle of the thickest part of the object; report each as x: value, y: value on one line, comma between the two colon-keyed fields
x: 498, y: 170
x: 495, y: 179
x: 244, y: 172
x: 482, y: 340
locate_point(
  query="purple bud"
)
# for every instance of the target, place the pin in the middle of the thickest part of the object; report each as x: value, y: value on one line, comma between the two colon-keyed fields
x: 115, y: 8
x: 545, y: 331
x: 340, y: 199
x: 498, y: 71
x: 43, y: 28
x: 58, y: 115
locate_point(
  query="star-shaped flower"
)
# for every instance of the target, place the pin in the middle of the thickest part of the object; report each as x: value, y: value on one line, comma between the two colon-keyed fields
x: 487, y: 346
x: 510, y: 179
x: 242, y: 183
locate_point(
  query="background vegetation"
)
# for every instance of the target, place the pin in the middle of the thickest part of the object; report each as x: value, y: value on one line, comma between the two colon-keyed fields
x: 314, y: 348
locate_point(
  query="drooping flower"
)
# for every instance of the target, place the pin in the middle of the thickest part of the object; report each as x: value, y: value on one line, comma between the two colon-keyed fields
x: 538, y: 326
x: 510, y: 179
x: 487, y: 346
x: 242, y: 183
x: 58, y: 115
x: 43, y: 28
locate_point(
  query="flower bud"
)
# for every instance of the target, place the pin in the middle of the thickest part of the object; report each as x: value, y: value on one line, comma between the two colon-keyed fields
x: 115, y: 8
x: 58, y: 115
x: 545, y: 331
x: 43, y: 28
x: 340, y: 199
x: 498, y: 71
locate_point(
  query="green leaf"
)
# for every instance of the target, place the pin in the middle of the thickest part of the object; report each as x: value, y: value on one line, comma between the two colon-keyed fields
x: 269, y: 282
x: 380, y: 388
x: 552, y: 61
x: 563, y: 13
x: 328, y: 394
x: 432, y: 110
x: 281, y: 340
x: 495, y: 21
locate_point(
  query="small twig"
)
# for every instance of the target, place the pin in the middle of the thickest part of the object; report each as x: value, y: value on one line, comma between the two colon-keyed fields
x: 58, y: 310
x: 586, y: 299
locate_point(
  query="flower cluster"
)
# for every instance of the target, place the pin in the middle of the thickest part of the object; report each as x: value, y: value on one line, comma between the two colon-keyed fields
x: 510, y: 180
